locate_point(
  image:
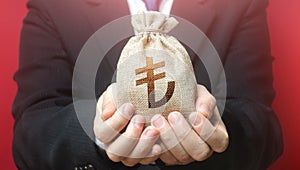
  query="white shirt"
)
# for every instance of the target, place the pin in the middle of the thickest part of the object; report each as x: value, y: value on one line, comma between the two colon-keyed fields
x: 138, y: 6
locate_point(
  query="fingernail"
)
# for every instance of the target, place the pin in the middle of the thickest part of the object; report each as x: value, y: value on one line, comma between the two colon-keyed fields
x: 127, y: 110
x: 203, y: 109
x: 195, y: 119
x: 105, y: 110
x: 138, y: 121
x: 157, y: 121
x: 174, y: 117
x: 156, y: 149
x: 151, y: 133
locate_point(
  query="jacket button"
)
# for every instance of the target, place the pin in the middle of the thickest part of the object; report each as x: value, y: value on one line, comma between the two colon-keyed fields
x: 87, y: 167
x: 90, y: 167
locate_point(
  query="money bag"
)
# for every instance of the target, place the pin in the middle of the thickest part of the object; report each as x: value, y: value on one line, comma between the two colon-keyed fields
x: 154, y: 71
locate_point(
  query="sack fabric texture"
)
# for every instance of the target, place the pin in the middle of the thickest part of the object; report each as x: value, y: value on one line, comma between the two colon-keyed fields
x: 154, y: 71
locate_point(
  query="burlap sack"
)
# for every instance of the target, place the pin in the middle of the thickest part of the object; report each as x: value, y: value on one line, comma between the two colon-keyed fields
x: 154, y: 71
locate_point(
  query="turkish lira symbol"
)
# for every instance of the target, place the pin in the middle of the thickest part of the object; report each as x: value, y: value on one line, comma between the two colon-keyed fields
x: 150, y: 79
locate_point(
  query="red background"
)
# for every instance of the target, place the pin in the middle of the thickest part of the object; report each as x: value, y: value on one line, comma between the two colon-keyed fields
x: 284, y: 22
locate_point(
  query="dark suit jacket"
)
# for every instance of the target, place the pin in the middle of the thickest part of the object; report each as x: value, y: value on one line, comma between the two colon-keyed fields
x: 47, y: 134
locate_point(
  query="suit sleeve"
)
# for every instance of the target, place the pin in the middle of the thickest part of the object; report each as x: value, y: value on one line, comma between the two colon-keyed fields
x: 47, y: 133
x: 254, y: 131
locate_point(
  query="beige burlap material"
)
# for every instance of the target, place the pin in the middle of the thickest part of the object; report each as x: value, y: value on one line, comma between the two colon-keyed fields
x: 154, y: 71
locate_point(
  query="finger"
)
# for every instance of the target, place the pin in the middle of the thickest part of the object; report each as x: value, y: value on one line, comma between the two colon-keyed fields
x: 108, y: 129
x: 216, y: 137
x: 169, y: 138
x: 108, y: 107
x: 167, y: 157
x: 143, y: 147
x: 205, y: 102
x: 190, y: 140
x: 153, y: 156
x: 125, y: 143
x: 98, y: 117
x: 146, y: 143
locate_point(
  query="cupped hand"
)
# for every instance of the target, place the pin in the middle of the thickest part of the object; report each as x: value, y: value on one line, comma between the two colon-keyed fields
x: 134, y: 145
x: 195, y: 139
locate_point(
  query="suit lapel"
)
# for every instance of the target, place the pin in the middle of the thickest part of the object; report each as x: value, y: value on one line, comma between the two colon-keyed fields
x: 199, y: 13
x: 102, y: 12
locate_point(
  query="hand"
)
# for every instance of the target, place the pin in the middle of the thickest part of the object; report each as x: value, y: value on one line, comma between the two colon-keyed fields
x: 133, y: 146
x: 186, y: 144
